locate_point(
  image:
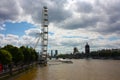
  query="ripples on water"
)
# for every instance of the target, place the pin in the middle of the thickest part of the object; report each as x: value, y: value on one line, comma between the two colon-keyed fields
x: 80, y: 70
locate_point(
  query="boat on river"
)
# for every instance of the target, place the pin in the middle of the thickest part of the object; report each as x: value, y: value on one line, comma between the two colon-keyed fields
x: 65, y: 60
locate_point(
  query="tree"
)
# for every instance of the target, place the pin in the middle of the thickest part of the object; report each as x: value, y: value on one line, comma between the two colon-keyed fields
x: 105, y: 53
x: 32, y: 53
x: 17, y: 55
x: 26, y: 53
x: 5, y: 57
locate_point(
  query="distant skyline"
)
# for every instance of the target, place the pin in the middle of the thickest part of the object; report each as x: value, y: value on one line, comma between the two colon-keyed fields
x: 72, y: 23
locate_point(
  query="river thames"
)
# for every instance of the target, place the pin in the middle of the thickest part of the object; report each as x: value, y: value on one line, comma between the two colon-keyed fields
x: 81, y: 69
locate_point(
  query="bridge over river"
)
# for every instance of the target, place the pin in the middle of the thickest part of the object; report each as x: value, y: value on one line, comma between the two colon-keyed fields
x: 81, y: 69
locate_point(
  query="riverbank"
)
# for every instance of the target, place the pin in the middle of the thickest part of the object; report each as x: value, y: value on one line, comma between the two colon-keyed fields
x: 8, y: 75
x: 22, y: 73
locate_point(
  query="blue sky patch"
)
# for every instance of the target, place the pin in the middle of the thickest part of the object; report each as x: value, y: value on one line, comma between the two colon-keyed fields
x: 113, y: 38
x: 51, y: 33
x: 16, y: 28
x: 100, y: 37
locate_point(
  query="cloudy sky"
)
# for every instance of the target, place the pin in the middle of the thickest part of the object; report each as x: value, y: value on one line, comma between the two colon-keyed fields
x: 72, y: 23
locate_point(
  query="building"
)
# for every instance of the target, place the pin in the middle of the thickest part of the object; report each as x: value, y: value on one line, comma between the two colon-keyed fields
x: 51, y: 53
x: 75, y: 50
x: 87, y: 49
x: 56, y: 54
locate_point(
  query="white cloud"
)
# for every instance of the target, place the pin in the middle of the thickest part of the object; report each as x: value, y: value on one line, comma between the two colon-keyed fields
x: 33, y: 32
x: 9, y: 39
x: 1, y: 36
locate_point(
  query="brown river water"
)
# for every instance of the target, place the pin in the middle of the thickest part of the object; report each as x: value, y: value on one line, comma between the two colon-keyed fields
x: 81, y: 69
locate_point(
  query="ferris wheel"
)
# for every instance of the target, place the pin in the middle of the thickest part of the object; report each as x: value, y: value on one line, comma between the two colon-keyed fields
x: 43, y: 35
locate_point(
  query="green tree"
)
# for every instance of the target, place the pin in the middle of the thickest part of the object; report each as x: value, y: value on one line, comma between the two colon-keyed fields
x: 30, y: 55
x: 34, y: 55
x: 5, y: 57
x: 17, y: 55
x: 26, y: 53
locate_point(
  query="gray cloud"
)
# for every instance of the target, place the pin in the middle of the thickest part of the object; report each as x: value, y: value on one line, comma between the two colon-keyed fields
x: 91, y: 15
x: 58, y: 13
x: 84, y: 21
x: 8, y: 10
x: 70, y: 43
x: 111, y: 18
x: 102, y: 17
x: 84, y: 7
x: 108, y: 28
x: 55, y: 9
